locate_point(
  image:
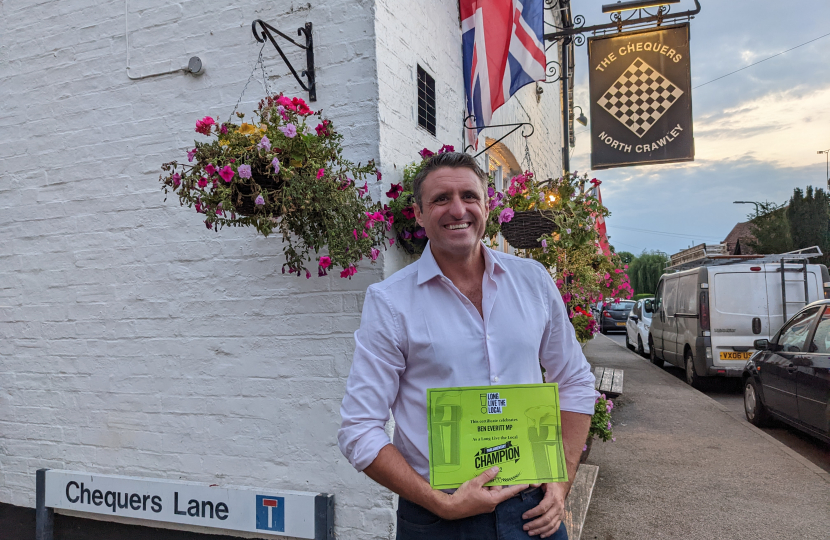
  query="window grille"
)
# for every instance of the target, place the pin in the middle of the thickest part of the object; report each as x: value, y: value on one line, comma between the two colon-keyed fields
x: 426, y: 100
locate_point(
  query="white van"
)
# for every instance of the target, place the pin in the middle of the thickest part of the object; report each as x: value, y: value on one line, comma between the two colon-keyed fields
x: 706, y: 319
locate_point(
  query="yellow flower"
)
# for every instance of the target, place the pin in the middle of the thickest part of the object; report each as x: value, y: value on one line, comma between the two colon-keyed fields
x: 223, y: 142
x: 247, y: 129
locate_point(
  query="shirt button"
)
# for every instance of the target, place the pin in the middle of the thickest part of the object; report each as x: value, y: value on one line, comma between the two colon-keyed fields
x: 495, y: 379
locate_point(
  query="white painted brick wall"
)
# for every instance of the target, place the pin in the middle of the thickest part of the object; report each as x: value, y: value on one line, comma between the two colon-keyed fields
x: 132, y: 339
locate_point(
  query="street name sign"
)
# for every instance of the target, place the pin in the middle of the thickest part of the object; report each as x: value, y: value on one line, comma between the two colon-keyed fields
x: 641, y: 98
x: 297, y: 514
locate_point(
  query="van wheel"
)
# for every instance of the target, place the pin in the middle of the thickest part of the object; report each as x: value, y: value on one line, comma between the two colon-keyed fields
x: 756, y: 413
x: 692, y: 378
x: 628, y: 344
x: 640, y: 349
x: 653, y: 353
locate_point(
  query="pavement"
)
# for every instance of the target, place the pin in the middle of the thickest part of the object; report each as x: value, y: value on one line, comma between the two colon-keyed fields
x: 685, y: 466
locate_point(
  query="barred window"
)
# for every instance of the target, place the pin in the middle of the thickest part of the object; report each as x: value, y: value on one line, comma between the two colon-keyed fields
x: 426, y: 100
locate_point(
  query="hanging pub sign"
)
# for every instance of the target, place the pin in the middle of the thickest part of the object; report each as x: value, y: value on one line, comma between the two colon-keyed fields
x: 641, y: 98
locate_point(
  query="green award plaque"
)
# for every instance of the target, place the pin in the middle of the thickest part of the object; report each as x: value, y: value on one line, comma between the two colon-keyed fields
x: 516, y: 427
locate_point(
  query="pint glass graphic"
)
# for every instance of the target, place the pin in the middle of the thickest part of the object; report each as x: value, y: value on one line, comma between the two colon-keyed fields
x: 544, y: 433
x: 446, y: 438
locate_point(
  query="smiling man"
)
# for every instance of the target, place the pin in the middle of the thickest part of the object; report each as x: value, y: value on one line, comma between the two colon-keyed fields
x: 463, y: 315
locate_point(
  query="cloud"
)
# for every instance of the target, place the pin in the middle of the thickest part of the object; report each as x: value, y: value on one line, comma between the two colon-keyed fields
x: 782, y: 129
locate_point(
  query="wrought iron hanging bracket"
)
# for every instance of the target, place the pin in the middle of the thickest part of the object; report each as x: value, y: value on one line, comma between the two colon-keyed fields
x: 266, y: 33
x: 618, y: 22
x: 516, y: 127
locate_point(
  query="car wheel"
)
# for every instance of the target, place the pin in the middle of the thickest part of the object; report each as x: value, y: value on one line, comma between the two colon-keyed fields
x: 628, y: 344
x: 756, y: 413
x: 692, y: 378
x: 640, y: 349
x: 653, y: 353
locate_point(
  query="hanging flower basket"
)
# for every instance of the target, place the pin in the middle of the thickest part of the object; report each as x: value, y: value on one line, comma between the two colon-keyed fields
x: 281, y: 172
x: 525, y: 228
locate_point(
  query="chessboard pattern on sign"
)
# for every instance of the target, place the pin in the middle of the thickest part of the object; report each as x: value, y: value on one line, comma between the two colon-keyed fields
x: 639, y: 97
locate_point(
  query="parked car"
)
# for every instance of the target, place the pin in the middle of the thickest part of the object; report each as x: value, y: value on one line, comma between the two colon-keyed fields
x: 637, y: 327
x: 789, y: 377
x: 706, y: 319
x: 614, y: 315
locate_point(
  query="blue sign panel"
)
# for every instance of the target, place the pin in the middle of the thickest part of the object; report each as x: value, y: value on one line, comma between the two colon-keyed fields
x: 270, y: 513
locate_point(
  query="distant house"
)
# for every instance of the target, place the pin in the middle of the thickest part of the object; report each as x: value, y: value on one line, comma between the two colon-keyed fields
x: 738, y: 240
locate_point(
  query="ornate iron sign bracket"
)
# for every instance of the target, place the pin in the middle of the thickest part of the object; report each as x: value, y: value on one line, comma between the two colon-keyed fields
x: 617, y: 23
x: 515, y: 127
x: 265, y: 33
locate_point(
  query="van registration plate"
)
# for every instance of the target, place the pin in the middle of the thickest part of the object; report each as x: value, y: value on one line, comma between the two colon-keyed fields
x: 725, y: 355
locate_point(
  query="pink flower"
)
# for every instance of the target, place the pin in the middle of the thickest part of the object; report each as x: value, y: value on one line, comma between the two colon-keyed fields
x: 446, y: 148
x: 177, y: 180
x: 394, y: 191
x: 544, y: 243
x: 380, y: 176
x: 348, y: 272
x: 264, y: 144
x: 289, y: 130
x: 191, y: 154
x: 595, y: 182
x: 354, y: 233
x: 223, y: 130
x: 276, y: 164
x: 323, y: 129
x: 210, y: 169
x: 244, y: 171
x: 325, y: 261
x: 226, y: 173
x: 202, y: 182
x: 259, y: 201
x: 321, y: 173
x: 208, y: 224
x: 375, y: 253
x: 282, y: 112
x: 585, y: 448
x: 425, y: 153
x: 364, y: 190
x: 506, y: 215
x: 420, y: 233
x: 203, y: 125
x: 307, y: 274
x: 408, y: 212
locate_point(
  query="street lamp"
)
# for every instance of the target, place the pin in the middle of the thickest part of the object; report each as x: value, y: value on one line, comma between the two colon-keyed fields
x: 757, y: 205
x: 826, y: 153
x: 582, y: 118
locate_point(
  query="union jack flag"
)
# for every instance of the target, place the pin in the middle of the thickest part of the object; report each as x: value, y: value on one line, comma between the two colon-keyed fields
x: 504, y: 49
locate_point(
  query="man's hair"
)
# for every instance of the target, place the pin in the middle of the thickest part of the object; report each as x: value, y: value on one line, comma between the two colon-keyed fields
x: 453, y: 160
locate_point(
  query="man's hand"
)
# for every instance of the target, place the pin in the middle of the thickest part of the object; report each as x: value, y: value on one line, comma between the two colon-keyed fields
x: 550, y: 512
x: 472, y: 498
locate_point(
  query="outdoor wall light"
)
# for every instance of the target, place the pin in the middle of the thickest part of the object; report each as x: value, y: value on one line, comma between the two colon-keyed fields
x: 194, y: 65
x: 582, y: 118
x: 636, y: 4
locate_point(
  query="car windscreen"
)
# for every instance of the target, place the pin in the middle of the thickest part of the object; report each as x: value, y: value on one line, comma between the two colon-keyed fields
x: 621, y: 306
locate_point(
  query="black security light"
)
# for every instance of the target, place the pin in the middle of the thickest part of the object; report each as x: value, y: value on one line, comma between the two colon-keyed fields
x: 635, y: 4
x: 582, y: 118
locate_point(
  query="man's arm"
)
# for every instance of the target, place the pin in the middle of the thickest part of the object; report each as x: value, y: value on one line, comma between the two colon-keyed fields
x: 392, y: 471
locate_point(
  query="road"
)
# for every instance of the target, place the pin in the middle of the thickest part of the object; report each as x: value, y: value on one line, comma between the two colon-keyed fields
x: 730, y: 394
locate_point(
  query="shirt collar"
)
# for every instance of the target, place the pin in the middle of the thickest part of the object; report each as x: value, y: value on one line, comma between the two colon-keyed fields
x: 428, y: 268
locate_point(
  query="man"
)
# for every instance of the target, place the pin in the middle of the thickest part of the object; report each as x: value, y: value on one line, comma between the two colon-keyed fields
x: 463, y: 315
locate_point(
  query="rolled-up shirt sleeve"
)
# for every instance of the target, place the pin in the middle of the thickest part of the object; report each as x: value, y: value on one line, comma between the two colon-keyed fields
x: 562, y: 358
x: 373, y: 382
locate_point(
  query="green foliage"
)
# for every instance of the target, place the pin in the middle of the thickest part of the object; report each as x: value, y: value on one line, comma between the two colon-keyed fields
x: 643, y: 295
x: 771, y: 228
x: 280, y: 172
x: 601, y: 427
x: 809, y: 217
x: 584, y: 325
x: 626, y: 257
x: 645, y: 271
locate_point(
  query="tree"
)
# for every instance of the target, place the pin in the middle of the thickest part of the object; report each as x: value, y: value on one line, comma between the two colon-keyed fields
x: 645, y: 271
x: 809, y: 217
x: 626, y: 257
x: 771, y: 228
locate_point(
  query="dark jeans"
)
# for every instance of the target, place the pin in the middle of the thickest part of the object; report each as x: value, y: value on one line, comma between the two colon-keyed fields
x: 416, y: 522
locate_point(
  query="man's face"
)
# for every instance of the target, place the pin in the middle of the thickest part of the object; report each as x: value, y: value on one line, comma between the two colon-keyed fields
x: 453, y: 211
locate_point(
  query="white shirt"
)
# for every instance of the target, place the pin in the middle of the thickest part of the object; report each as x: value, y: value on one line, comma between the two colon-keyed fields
x: 418, y: 331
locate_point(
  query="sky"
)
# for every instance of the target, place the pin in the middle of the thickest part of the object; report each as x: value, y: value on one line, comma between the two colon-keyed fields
x: 756, y: 132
